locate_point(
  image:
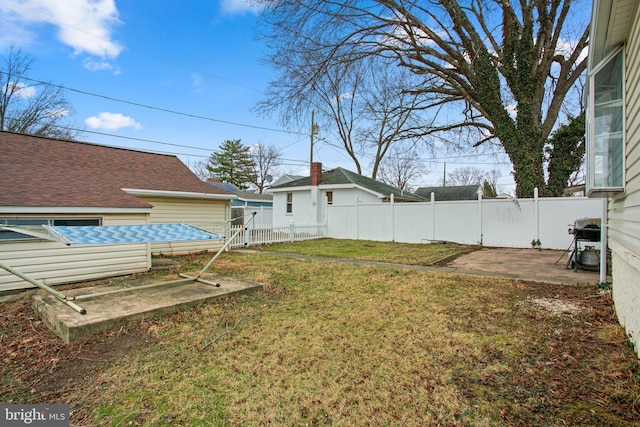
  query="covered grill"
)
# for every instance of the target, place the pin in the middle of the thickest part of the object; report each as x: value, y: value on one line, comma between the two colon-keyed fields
x: 585, y: 230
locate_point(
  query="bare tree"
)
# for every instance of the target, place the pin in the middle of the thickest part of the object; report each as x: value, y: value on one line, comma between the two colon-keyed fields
x: 491, y: 181
x: 465, y: 176
x: 500, y: 68
x: 401, y: 167
x: 36, y: 109
x: 392, y: 113
x: 199, y: 168
x: 266, y: 160
x: 363, y: 104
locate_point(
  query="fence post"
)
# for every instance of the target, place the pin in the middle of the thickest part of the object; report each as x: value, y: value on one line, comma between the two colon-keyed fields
x: 536, y: 207
x: 247, y: 233
x: 326, y: 216
x: 292, y: 232
x: 433, y: 216
x: 357, y: 221
x: 480, y: 215
x: 393, y: 219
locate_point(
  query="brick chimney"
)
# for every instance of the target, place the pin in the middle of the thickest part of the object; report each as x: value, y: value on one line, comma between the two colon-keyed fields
x: 316, y: 173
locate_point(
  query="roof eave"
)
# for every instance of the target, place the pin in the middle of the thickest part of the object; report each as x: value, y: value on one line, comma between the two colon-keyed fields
x: 179, y: 194
x: 93, y: 210
x: 610, y: 23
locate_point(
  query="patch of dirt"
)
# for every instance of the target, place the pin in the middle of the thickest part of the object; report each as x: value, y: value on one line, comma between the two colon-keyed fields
x: 444, y: 262
x: 37, y: 366
x: 555, y: 306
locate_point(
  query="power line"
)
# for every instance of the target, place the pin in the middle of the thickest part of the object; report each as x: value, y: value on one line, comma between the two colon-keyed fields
x: 164, y: 110
x: 152, y: 141
x: 136, y: 139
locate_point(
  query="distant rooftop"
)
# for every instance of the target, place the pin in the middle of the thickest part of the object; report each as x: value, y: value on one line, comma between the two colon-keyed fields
x: 339, y: 176
x: 456, y: 192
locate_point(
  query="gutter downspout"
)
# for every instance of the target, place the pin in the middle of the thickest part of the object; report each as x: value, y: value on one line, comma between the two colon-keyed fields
x: 604, y: 229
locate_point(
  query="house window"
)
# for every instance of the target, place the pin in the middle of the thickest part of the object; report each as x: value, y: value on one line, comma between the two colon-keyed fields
x: 329, y: 197
x: 605, y: 132
x: 289, y: 203
x: 6, y: 235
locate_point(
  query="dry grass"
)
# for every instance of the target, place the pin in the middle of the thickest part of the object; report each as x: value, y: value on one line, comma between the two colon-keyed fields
x: 341, y: 345
x: 392, y: 252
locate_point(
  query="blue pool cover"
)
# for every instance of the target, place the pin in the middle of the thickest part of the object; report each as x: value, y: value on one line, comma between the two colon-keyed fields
x: 120, y: 234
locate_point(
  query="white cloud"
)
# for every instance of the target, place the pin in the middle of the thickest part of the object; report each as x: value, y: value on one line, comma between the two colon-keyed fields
x: 85, y: 25
x: 13, y: 33
x: 92, y: 65
x: 196, y: 79
x: 22, y: 91
x: 238, y: 6
x: 111, y: 121
x: 62, y: 112
x: 566, y: 47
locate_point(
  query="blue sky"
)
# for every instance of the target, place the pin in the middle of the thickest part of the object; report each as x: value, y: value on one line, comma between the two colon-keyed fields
x: 197, y: 57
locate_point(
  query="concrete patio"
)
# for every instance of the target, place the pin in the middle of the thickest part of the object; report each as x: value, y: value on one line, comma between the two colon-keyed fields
x: 107, y: 312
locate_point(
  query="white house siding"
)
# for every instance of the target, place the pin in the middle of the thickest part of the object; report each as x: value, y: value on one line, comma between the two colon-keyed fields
x: 302, y: 211
x: 346, y: 196
x: 207, y: 214
x: 304, y: 207
x: 624, y: 210
x: 54, y: 263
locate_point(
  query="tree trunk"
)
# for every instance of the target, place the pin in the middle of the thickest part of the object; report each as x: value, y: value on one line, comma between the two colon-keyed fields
x: 524, y: 145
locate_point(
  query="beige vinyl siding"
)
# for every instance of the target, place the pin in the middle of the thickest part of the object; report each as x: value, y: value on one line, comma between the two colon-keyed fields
x: 203, y: 213
x: 624, y: 210
x: 55, y: 263
x: 125, y: 219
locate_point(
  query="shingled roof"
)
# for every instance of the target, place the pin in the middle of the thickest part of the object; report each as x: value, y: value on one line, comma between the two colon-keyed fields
x: 454, y: 192
x: 340, y: 176
x: 43, y: 172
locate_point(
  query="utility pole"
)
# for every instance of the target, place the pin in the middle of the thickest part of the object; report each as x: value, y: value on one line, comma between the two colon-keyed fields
x: 314, y: 131
x: 444, y: 177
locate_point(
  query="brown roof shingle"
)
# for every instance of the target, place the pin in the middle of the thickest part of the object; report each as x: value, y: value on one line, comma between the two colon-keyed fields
x: 44, y: 172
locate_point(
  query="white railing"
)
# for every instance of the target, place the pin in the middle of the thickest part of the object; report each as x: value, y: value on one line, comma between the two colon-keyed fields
x: 264, y: 234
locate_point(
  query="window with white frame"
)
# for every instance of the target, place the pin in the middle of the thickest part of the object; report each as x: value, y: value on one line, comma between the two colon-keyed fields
x: 289, y: 203
x: 329, y: 197
x: 605, y: 132
x: 6, y: 235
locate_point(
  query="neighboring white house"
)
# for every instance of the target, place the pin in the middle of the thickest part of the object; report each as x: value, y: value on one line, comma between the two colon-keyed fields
x: 57, y: 182
x: 303, y: 201
x: 613, y: 145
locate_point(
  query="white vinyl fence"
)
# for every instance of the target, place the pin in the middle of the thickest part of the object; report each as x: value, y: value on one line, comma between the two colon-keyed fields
x: 258, y: 234
x: 516, y: 223
x: 510, y: 222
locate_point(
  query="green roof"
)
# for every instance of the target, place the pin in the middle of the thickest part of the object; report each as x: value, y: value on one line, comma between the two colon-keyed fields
x: 340, y: 176
x: 456, y: 192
